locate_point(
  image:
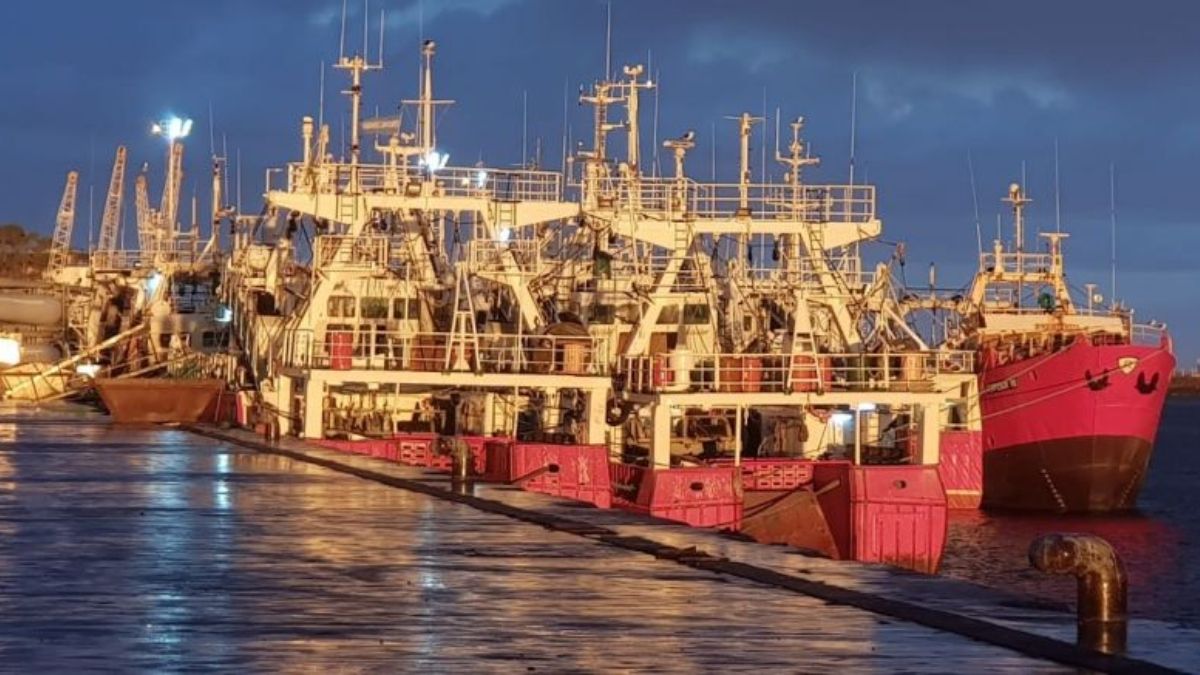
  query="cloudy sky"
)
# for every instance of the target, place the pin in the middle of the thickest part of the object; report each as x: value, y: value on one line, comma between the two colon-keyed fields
x: 938, y: 81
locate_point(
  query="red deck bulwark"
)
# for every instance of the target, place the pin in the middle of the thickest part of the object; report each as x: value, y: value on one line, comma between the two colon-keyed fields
x: 961, y: 468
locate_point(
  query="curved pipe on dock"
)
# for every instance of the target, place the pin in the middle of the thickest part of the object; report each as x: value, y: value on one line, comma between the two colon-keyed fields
x: 1101, y: 589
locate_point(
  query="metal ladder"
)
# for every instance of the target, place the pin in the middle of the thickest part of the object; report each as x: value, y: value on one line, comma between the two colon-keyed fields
x: 463, y: 345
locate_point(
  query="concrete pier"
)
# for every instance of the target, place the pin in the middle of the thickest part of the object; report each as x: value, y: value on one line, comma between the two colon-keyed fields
x: 159, y: 549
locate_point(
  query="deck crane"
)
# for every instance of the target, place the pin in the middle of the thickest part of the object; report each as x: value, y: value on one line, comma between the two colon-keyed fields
x: 169, y: 211
x: 60, y: 245
x: 112, y: 206
x: 145, y: 217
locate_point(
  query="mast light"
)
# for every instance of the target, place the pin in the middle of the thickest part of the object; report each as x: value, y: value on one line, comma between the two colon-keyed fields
x: 173, y: 128
x: 435, y: 161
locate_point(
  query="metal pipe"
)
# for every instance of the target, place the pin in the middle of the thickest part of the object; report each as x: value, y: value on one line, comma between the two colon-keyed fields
x: 1101, y: 600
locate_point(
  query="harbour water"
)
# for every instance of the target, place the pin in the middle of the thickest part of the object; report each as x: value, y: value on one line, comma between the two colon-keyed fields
x: 157, y: 550
x: 1160, y: 542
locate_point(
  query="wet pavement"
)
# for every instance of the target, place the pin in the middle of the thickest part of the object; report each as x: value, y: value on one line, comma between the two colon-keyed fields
x: 156, y: 549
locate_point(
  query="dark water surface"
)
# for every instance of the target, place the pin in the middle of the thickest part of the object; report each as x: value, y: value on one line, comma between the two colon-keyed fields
x: 1160, y: 542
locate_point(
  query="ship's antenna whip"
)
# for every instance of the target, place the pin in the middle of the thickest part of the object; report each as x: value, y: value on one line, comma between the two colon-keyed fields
x: 762, y: 140
x: 654, y: 135
x: 777, y: 132
x: 853, y: 121
x: 1112, y: 210
x: 342, y: 39
x: 608, y: 44
x: 382, y: 22
x: 713, y: 158
x: 239, y: 180
x: 91, y: 191
x: 366, y: 46
x: 525, y: 129
x: 321, y: 100
x: 1057, y: 202
x: 563, y: 166
x: 975, y: 202
x: 212, y: 134
x: 225, y: 174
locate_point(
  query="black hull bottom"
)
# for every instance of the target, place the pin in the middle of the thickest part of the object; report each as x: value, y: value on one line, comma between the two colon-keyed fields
x: 1087, y: 474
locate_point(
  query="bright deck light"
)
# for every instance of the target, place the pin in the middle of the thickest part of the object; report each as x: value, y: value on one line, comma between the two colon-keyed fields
x: 840, y: 418
x: 10, y: 352
x: 88, y: 369
x: 435, y: 161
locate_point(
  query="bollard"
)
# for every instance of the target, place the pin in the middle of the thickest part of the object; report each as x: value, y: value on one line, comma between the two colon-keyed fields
x: 1101, y: 595
x: 461, y: 465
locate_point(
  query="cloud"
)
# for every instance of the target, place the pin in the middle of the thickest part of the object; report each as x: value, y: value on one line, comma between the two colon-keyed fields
x: 710, y: 45
x: 895, y: 91
x: 410, y: 15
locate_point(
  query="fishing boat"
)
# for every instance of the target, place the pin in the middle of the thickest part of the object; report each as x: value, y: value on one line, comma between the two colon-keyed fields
x: 141, y: 325
x: 1070, y: 394
x: 709, y: 353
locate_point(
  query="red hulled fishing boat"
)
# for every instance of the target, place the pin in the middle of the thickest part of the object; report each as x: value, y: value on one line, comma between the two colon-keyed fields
x: 1070, y: 396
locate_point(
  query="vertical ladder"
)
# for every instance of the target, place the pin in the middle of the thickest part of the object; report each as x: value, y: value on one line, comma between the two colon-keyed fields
x: 347, y: 209
x: 463, y: 345
x: 504, y: 215
x: 804, y: 345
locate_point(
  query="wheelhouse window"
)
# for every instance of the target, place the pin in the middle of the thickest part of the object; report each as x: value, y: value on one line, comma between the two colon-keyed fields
x: 341, y: 307
x: 374, y: 308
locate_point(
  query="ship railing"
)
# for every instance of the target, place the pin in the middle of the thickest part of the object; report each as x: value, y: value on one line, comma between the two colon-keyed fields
x: 488, y: 254
x: 383, y: 350
x: 1015, y: 263
x: 474, y: 182
x: 795, y: 373
x: 1150, y: 335
x: 807, y: 203
x: 116, y: 260
x: 672, y: 198
x: 808, y: 272
x: 363, y: 252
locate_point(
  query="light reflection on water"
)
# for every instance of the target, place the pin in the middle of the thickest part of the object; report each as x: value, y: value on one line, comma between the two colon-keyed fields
x: 156, y: 550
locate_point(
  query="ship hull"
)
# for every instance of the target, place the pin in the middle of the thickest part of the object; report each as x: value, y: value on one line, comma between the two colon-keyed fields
x: 1073, y: 430
x: 159, y: 400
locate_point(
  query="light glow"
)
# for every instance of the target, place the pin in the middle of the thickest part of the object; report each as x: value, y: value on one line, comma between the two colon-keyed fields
x: 152, y: 283
x: 840, y: 418
x: 89, y: 370
x: 866, y: 407
x: 435, y: 161
x: 173, y: 128
x: 10, y: 352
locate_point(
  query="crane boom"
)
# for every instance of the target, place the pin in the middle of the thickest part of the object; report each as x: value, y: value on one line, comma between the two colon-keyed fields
x: 170, y: 198
x: 60, y: 245
x: 112, y: 206
x: 145, y: 219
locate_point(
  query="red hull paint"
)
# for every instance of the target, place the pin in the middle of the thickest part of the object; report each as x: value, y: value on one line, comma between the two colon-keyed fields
x: 961, y: 468
x: 1071, y: 430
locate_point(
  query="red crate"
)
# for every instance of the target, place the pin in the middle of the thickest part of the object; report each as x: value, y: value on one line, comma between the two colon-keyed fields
x: 772, y: 473
x: 414, y: 449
